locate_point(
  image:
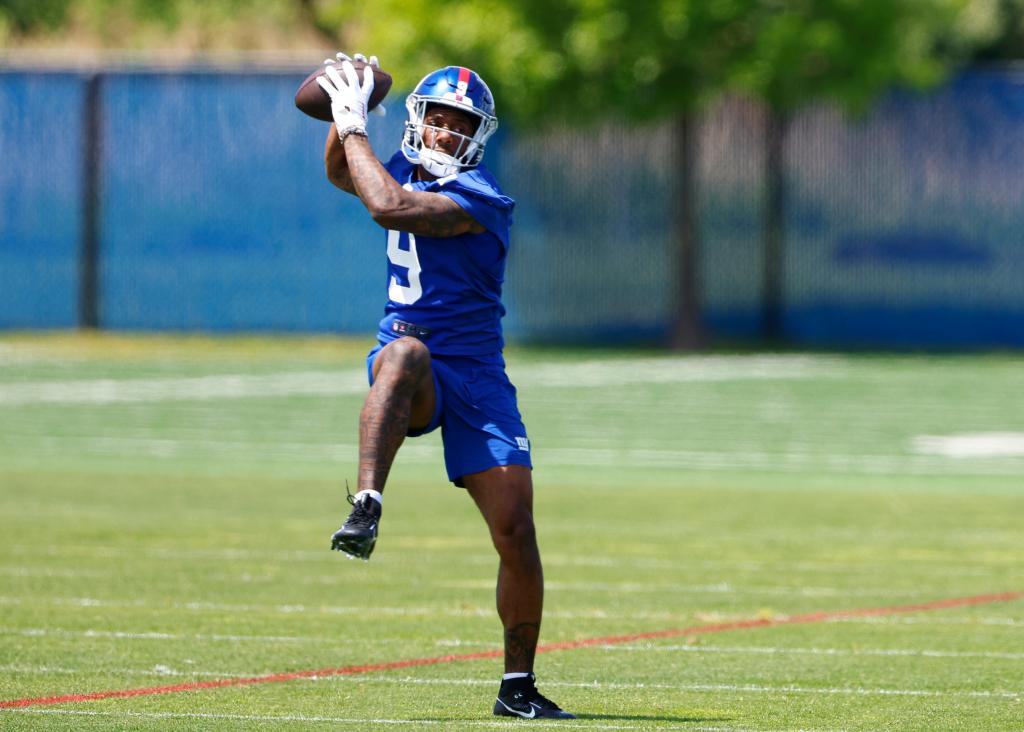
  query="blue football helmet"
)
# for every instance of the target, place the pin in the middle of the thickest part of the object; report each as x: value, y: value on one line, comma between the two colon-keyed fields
x: 459, y: 88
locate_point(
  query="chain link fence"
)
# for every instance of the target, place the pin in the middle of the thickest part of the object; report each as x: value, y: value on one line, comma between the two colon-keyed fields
x: 194, y: 200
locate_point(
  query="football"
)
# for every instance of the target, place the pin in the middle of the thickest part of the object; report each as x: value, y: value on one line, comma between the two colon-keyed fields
x: 313, y: 100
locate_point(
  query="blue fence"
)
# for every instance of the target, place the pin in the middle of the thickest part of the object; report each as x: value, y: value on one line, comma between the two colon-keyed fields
x: 902, y: 229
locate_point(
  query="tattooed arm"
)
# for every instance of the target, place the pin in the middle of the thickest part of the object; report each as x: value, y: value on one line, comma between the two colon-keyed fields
x: 336, y: 163
x: 393, y: 207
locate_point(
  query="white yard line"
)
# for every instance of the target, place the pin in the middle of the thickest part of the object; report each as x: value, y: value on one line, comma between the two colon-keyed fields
x: 164, y: 670
x: 939, y: 564
x: 57, y: 572
x: 482, y: 584
x: 611, y: 372
x: 287, y: 452
x: 187, y: 388
x: 463, y: 611
x: 484, y: 612
x: 153, y: 635
x: 720, y: 588
x: 487, y: 583
x: 739, y: 460
x: 771, y: 651
x: 587, y: 374
x: 756, y: 688
x: 924, y: 620
x: 700, y: 688
x: 102, y: 551
x: 357, y: 721
x: 217, y: 607
x: 971, y: 444
x: 159, y: 670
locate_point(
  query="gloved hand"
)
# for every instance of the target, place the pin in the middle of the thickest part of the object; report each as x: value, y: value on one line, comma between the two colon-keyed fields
x: 337, y: 82
x: 348, y: 96
x: 380, y: 110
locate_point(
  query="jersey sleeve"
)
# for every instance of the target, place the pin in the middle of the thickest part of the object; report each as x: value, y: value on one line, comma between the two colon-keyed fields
x: 479, y: 196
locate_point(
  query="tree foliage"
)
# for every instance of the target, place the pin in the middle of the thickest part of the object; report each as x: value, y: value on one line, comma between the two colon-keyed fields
x: 27, y: 16
x: 579, y: 59
x: 590, y: 59
x: 575, y: 59
x: 849, y: 51
x: 182, y: 26
x: 1000, y: 24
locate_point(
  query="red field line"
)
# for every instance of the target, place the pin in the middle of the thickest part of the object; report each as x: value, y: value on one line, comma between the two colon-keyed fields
x: 817, y: 617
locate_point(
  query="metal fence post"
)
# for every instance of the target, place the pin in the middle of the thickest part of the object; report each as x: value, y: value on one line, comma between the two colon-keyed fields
x: 89, y: 251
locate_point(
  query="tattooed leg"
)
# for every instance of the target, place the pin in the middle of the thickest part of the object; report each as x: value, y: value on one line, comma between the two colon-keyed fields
x: 520, y: 595
x: 520, y: 647
x: 504, y: 496
x: 402, y: 396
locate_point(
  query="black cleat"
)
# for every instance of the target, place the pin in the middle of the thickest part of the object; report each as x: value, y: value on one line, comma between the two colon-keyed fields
x: 359, y: 534
x: 520, y: 698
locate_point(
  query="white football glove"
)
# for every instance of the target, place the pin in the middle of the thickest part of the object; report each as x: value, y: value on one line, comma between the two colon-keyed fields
x: 380, y: 110
x: 333, y: 83
x: 348, y: 96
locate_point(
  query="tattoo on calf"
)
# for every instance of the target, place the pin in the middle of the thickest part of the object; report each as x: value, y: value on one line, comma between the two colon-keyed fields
x: 521, y: 645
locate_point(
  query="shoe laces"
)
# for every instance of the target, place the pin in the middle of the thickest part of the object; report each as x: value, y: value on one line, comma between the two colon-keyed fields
x: 365, y: 512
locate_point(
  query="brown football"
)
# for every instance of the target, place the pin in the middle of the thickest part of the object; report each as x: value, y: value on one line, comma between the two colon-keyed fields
x: 313, y: 100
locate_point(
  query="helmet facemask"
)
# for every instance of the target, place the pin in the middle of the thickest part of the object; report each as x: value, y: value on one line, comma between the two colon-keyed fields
x: 469, y: 149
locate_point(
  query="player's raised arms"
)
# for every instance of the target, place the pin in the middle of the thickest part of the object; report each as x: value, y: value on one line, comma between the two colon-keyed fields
x: 391, y: 206
x: 335, y: 162
x: 352, y: 165
x: 416, y: 212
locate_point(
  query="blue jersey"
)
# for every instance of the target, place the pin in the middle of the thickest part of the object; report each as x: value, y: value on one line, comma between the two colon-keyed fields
x: 447, y: 291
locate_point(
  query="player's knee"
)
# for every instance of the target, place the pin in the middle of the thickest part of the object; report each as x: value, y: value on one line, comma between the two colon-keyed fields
x: 406, y: 355
x: 515, y: 538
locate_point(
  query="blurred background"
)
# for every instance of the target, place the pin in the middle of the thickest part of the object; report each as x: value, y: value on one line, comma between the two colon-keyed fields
x: 815, y: 173
x: 773, y: 232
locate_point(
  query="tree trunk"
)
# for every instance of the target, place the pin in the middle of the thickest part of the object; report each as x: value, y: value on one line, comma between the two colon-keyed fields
x: 774, y: 231
x: 687, y: 333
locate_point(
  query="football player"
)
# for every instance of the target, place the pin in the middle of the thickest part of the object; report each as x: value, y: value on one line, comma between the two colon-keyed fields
x: 438, y: 362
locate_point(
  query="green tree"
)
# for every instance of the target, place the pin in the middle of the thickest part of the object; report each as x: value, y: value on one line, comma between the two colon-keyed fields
x: 27, y: 16
x: 580, y: 60
x: 590, y: 60
x: 848, y: 52
x: 184, y: 25
x: 585, y: 60
x: 999, y: 27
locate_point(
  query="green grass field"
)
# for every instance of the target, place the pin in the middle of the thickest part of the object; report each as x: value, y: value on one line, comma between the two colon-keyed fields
x: 166, y: 506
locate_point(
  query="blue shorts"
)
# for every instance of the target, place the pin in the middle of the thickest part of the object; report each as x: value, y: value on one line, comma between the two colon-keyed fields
x: 475, y: 408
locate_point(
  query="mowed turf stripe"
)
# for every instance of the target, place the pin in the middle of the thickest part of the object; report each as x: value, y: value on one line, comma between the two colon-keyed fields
x: 165, y: 671
x: 816, y: 617
x: 302, y: 719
